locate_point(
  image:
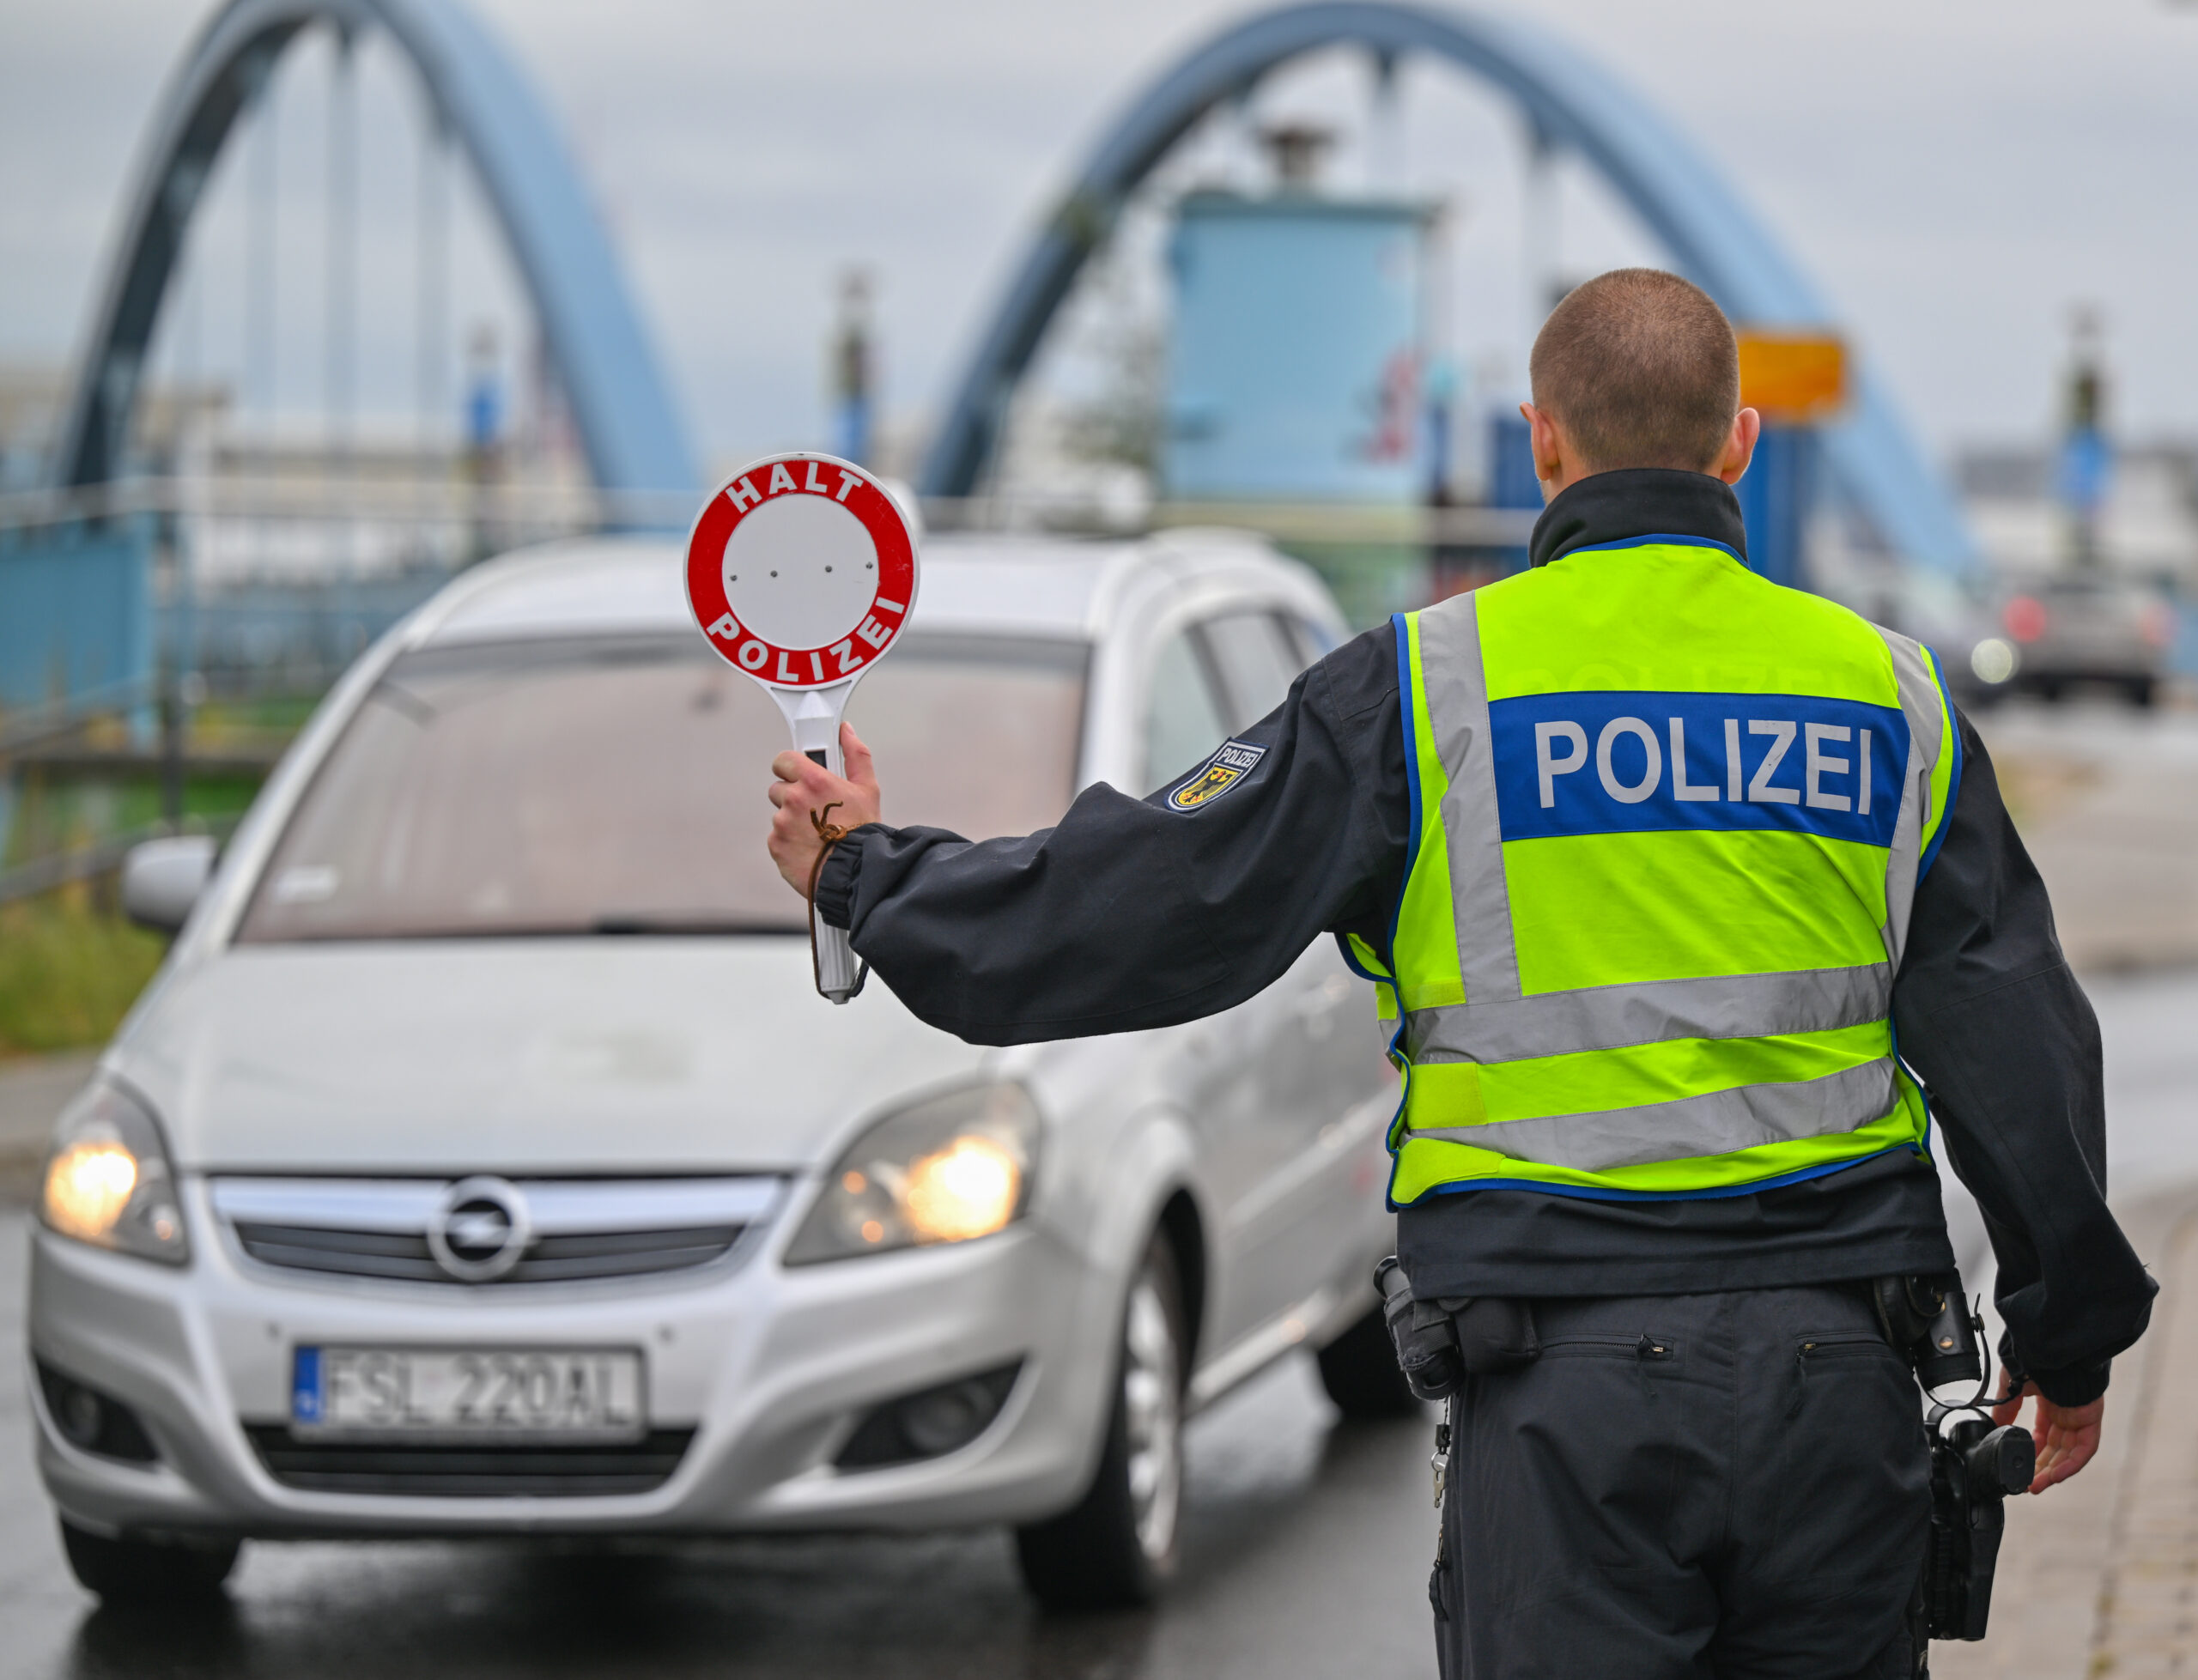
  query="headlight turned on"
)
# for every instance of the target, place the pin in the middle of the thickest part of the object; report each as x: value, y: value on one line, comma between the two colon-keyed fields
x: 1992, y: 660
x: 949, y: 1168
x: 107, y: 1179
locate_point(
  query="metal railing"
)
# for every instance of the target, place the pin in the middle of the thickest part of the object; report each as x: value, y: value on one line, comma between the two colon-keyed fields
x: 356, y: 550
x: 534, y: 512
x: 553, y: 507
x: 85, y: 862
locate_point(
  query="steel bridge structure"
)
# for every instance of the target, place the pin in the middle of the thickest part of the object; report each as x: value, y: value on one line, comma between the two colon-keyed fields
x: 628, y: 426
x: 1570, y: 103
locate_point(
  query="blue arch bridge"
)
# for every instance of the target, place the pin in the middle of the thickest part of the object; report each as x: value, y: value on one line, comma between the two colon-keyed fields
x: 75, y: 614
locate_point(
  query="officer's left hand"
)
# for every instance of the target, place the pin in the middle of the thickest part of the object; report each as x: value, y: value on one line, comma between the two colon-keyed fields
x: 2067, y: 1437
x: 805, y: 787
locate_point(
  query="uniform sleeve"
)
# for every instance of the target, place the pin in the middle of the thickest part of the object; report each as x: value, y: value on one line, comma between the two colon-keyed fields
x: 1992, y: 1020
x: 1130, y: 913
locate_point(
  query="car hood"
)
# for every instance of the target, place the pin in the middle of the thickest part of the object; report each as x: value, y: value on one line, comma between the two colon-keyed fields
x: 613, y: 1054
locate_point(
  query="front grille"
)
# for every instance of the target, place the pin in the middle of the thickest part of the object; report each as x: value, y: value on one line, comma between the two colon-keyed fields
x: 582, y: 1230
x: 422, y: 1470
x: 547, y: 1260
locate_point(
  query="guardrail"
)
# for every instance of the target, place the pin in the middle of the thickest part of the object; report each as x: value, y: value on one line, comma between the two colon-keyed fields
x: 535, y: 511
x: 35, y: 727
x: 1343, y: 523
x: 83, y: 862
x: 59, y: 741
x: 355, y: 498
x: 359, y: 548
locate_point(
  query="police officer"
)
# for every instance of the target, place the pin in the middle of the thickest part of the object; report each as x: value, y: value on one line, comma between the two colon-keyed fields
x: 1696, y: 904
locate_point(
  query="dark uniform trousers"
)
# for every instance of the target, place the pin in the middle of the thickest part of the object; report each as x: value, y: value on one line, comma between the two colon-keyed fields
x: 1734, y: 1485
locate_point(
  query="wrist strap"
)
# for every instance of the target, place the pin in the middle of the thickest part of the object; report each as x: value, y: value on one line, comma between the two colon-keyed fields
x: 831, y: 833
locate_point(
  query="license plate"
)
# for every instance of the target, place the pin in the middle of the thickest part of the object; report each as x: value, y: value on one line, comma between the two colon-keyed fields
x: 591, y: 1393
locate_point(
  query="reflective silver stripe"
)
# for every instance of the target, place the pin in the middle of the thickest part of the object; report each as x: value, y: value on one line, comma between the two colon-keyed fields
x: 1919, y: 702
x: 1455, y: 704
x: 1716, y: 1124
x: 1610, y: 1017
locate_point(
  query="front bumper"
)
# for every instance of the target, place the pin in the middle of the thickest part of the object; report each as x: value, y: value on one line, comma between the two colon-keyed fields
x: 773, y: 1368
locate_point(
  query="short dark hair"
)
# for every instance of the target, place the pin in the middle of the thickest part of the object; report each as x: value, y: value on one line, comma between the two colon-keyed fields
x: 1641, y: 370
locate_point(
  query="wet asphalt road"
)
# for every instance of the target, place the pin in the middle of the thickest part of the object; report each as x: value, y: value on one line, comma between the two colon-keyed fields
x: 1306, y: 1543
x: 1305, y: 1552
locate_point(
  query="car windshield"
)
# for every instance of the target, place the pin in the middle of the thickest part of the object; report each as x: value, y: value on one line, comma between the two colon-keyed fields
x: 616, y: 784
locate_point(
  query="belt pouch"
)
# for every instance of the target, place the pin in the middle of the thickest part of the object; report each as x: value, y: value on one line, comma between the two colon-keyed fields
x: 1496, y: 1335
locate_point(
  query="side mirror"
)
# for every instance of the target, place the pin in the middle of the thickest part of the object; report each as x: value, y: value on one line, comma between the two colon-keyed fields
x: 161, y: 879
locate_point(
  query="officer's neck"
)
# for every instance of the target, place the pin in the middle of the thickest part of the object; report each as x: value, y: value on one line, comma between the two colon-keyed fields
x: 1633, y: 502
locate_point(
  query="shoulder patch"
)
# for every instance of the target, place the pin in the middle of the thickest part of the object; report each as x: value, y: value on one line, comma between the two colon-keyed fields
x: 1231, y: 762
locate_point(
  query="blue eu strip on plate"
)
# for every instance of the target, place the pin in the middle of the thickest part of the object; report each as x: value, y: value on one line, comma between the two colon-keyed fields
x: 305, y: 1385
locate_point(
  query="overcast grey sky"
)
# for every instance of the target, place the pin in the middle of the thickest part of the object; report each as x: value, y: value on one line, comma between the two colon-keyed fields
x: 1954, y: 173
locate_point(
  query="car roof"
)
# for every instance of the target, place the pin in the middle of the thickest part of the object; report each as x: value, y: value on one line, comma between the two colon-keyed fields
x: 999, y: 584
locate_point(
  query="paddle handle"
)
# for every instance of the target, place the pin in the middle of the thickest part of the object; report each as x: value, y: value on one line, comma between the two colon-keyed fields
x: 839, y: 974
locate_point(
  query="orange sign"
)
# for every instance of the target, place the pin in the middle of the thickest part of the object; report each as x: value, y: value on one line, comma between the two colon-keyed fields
x: 1793, y: 378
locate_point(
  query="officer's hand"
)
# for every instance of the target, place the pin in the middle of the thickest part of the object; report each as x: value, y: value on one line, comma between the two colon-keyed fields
x: 805, y: 787
x: 2067, y: 1437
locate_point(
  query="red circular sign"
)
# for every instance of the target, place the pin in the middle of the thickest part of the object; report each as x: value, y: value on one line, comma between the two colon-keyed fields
x: 800, y: 570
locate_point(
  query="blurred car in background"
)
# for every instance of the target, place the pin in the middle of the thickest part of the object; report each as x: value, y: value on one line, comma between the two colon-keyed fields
x: 2067, y: 630
x: 483, y: 1160
x: 1955, y: 620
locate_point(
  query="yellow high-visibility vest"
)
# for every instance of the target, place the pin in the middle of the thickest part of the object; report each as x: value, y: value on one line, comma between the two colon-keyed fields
x: 1667, y: 819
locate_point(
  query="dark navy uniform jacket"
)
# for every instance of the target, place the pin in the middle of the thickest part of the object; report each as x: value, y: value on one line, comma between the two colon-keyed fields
x: 1128, y: 914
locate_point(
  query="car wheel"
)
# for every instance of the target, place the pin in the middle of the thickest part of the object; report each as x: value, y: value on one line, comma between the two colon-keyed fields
x: 1116, y: 1546
x: 123, y: 1572
x: 2142, y: 692
x: 2049, y: 690
x: 1359, y: 1370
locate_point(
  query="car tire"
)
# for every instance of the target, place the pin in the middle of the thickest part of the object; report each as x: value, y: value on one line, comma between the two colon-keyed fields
x: 1359, y: 1370
x: 1115, y: 1548
x: 125, y: 1572
x: 2143, y: 692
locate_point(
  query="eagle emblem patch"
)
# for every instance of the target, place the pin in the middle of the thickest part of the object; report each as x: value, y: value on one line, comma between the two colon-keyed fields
x: 1231, y: 762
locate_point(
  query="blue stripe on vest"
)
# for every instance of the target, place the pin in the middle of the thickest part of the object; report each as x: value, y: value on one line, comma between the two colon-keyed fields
x: 1634, y: 761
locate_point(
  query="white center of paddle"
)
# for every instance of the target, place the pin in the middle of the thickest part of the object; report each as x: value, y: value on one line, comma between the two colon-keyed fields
x: 800, y: 572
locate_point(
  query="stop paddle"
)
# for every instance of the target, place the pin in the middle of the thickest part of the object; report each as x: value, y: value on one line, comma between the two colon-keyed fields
x: 801, y: 571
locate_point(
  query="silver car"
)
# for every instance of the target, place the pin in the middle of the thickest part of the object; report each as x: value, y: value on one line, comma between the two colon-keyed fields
x: 2072, y: 630
x: 483, y: 1160
x: 1950, y: 617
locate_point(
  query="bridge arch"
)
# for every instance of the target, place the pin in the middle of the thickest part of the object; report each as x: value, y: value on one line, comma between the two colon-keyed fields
x: 628, y: 427
x: 1571, y: 102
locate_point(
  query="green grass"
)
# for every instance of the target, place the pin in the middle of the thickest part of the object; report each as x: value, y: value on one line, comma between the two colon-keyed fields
x: 68, y: 972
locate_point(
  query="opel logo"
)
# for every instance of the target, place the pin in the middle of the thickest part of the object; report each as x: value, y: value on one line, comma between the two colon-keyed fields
x: 479, y: 1230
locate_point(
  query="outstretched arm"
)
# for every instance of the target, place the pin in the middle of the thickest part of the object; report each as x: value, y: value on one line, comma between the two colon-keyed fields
x: 1129, y: 913
x: 2007, y: 1044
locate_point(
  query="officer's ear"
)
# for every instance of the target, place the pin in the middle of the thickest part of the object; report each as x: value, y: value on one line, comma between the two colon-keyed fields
x: 1739, y: 446
x: 1554, y: 466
